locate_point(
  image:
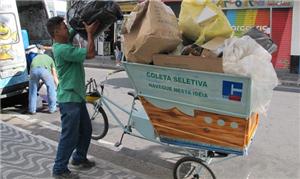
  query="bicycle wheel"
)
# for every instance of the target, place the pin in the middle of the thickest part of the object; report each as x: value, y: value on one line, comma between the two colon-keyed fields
x: 99, y: 121
x: 192, y: 168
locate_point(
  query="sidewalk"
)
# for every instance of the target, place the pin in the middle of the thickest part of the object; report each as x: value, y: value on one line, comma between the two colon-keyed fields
x: 286, y: 79
x: 102, y: 62
x: 25, y: 155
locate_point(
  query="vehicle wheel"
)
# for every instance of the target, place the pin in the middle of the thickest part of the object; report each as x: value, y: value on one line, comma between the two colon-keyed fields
x: 19, y: 101
x: 192, y: 168
x: 99, y: 121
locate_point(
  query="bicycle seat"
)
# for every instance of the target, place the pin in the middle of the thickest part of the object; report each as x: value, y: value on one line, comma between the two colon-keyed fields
x: 133, y: 94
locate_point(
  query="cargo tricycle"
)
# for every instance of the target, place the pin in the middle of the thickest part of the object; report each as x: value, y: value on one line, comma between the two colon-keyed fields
x: 207, y: 114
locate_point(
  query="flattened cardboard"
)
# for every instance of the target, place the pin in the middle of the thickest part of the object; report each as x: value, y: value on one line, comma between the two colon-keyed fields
x: 200, y: 63
x: 214, y: 44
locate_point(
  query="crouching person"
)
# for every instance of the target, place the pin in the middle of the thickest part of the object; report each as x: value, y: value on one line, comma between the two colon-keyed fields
x: 42, y: 68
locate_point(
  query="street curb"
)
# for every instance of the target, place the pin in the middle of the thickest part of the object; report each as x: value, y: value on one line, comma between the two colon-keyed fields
x: 102, y: 66
x: 289, y: 83
x: 287, y: 88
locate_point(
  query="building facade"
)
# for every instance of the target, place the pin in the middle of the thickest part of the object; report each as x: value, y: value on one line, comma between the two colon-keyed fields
x: 274, y: 18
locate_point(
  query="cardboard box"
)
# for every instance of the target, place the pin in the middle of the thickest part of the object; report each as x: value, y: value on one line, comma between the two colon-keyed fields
x: 151, y: 28
x: 200, y: 63
x: 214, y: 46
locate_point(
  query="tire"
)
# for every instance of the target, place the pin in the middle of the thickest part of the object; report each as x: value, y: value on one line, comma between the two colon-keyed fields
x: 189, y: 167
x: 20, y: 101
x: 99, y: 121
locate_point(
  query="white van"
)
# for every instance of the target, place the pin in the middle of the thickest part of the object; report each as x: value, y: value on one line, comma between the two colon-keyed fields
x: 31, y: 17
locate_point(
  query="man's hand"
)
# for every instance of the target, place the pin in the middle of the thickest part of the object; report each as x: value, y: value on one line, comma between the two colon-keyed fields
x: 91, y: 29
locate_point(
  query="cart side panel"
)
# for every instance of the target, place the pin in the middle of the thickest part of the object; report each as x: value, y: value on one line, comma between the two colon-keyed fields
x: 204, y: 127
x: 253, y: 123
x: 188, y: 90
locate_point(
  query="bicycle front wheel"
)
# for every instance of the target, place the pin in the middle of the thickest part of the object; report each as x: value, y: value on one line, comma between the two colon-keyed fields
x: 192, y: 168
x: 99, y: 121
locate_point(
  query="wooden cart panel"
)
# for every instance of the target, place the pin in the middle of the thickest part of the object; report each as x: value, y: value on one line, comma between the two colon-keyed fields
x: 208, y: 128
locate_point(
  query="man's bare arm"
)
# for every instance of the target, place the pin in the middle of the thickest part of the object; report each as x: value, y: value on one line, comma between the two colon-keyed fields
x: 54, y: 74
x: 91, y: 29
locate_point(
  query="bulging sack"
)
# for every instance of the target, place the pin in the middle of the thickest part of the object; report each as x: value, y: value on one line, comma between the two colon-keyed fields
x: 106, y: 12
x: 244, y: 56
x: 201, y: 21
x: 262, y: 39
x: 151, y: 28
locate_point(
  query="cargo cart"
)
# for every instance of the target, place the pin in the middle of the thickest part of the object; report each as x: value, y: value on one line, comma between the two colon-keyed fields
x: 206, y: 112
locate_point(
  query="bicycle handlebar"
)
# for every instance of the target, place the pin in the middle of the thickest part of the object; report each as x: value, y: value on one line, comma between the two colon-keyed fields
x: 91, y: 83
x: 115, y: 71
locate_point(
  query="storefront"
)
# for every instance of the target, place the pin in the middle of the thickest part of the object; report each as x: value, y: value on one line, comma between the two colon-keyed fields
x: 295, y: 52
x: 272, y: 17
x: 105, y: 41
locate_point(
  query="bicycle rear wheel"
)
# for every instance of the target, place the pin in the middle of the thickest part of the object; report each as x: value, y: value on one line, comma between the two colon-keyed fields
x: 192, y: 168
x: 99, y: 121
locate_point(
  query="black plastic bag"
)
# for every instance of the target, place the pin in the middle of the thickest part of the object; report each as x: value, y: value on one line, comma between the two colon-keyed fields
x: 262, y: 39
x: 106, y: 12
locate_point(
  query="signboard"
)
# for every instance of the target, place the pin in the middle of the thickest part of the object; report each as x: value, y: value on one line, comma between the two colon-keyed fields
x: 241, y: 20
x: 235, y: 4
x: 189, y: 90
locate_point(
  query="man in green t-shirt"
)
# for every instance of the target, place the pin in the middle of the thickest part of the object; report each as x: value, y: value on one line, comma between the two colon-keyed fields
x: 42, y: 68
x: 75, y: 121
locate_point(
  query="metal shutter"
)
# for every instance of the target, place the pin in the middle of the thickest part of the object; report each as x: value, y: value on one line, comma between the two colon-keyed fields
x: 281, y: 35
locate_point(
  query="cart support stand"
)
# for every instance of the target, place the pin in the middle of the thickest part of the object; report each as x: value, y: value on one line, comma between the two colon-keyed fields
x: 117, y: 144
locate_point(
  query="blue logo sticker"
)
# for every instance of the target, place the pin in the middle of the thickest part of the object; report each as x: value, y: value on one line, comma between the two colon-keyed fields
x: 232, y: 90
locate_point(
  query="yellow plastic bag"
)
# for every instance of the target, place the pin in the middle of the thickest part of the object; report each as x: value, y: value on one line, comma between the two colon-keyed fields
x: 202, y: 20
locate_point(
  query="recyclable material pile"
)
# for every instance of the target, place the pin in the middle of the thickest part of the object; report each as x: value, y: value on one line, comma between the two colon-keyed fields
x: 202, y: 39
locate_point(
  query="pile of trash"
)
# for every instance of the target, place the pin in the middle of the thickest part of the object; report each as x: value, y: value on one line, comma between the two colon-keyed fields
x: 106, y: 12
x: 202, y: 39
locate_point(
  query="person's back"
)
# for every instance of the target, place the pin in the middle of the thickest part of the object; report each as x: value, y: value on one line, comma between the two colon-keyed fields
x: 42, y: 68
x: 42, y: 60
x: 69, y: 66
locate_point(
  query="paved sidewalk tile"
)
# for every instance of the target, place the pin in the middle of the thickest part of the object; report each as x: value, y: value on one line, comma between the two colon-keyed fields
x: 25, y: 156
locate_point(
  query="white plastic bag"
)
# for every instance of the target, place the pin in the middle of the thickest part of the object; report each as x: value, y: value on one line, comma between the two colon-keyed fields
x: 244, y: 56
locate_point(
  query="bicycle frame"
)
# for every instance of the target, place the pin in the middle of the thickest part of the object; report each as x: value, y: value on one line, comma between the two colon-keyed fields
x: 132, y: 120
x: 127, y: 129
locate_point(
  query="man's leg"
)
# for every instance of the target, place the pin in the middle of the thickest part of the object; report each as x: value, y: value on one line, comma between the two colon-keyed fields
x: 51, y: 93
x: 33, y: 84
x: 85, y: 133
x: 70, y: 121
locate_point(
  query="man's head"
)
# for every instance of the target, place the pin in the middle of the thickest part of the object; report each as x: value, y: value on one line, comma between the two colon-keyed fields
x: 57, y: 29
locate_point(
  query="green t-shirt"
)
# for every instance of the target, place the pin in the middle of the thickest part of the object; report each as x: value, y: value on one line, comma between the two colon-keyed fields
x: 70, y: 70
x: 42, y: 60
